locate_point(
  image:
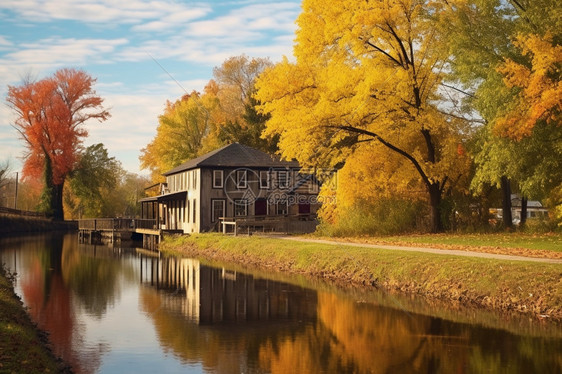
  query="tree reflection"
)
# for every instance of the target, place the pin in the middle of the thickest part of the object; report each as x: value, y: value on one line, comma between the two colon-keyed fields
x: 316, y: 332
x: 50, y: 300
x: 92, y: 274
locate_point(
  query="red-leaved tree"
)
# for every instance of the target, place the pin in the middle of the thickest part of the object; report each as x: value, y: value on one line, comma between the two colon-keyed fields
x: 50, y: 114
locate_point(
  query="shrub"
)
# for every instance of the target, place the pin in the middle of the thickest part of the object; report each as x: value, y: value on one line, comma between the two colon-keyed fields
x: 380, y: 217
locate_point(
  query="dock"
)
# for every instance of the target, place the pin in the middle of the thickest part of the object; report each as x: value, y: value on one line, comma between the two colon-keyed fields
x: 120, y: 229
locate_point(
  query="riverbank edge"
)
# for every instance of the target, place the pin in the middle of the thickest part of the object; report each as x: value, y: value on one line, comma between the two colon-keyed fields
x: 11, y: 225
x: 24, y: 347
x: 529, y: 288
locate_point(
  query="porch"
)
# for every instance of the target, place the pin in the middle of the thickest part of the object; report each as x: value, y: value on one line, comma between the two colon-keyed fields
x: 294, y: 224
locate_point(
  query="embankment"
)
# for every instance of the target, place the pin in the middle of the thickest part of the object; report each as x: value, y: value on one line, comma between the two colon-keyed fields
x: 15, y: 225
x: 527, y: 287
x: 23, y: 348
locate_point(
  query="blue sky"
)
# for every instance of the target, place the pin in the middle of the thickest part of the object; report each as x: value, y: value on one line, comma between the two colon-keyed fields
x: 114, y: 41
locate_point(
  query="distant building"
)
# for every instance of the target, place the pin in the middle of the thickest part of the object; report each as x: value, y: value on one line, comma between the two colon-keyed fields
x: 534, y: 209
x: 235, y: 185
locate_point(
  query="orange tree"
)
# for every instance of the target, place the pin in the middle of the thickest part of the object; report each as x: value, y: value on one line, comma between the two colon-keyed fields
x: 50, y: 115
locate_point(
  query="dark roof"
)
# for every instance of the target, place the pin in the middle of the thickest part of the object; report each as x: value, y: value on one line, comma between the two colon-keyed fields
x: 234, y: 155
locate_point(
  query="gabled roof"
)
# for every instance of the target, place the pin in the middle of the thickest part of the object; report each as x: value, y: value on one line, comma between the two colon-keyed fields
x: 234, y: 155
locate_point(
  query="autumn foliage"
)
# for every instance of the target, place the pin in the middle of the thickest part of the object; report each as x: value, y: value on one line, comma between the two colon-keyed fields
x: 50, y: 114
x: 538, y: 82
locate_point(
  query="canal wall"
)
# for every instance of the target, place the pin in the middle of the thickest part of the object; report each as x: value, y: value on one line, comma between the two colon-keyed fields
x: 12, y: 224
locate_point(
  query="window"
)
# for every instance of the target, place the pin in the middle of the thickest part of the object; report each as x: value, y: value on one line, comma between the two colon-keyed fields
x: 194, y: 179
x: 304, y: 208
x: 240, y: 207
x: 187, y: 211
x: 260, y: 207
x: 194, y: 210
x: 264, y: 180
x: 283, y: 179
x: 217, y: 207
x: 217, y: 178
x: 282, y: 207
x: 241, y: 179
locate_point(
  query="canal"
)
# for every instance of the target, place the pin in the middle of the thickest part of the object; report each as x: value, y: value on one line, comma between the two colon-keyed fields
x: 125, y: 310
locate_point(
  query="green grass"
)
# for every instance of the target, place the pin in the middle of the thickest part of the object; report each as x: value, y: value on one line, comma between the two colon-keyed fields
x: 549, y: 242
x: 22, y: 350
x: 507, y: 285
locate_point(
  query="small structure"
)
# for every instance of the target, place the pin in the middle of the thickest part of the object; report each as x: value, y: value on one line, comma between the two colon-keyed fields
x: 235, y: 188
x: 534, y: 209
x: 113, y: 230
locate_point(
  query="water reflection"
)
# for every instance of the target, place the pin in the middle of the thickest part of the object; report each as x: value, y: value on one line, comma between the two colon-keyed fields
x: 116, y: 310
x: 302, y: 330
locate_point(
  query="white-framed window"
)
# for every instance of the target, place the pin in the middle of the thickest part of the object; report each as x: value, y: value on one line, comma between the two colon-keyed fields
x: 217, y: 209
x: 218, y: 180
x: 283, y: 179
x: 240, y: 207
x: 241, y: 178
x: 194, y: 179
x: 264, y: 179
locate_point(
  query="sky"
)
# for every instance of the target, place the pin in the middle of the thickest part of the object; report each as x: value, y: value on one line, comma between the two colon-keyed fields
x: 137, y: 50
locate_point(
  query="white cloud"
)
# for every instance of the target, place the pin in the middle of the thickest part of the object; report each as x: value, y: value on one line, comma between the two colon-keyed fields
x: 56, y: 52
x: 101, y: 11
x: 5, y: 42
x: 188, y: 38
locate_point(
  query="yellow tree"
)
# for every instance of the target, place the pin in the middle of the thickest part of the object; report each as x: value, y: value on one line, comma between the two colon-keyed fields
x: 180, y: 134
x: 366, y: 71
x: 235, y: 79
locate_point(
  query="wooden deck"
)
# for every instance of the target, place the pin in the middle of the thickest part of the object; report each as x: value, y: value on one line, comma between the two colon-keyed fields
x: 114, y: 229
x: 304, y: 223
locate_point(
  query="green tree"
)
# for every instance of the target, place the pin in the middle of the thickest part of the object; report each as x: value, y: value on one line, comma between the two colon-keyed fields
x: 4, y: 173
x: 96, y: 175
x: 507, y: 55
x: 249, y: 130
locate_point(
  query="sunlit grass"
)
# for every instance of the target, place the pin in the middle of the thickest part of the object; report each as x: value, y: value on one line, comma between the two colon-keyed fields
x: 549, y: 242
x: 499, y: 284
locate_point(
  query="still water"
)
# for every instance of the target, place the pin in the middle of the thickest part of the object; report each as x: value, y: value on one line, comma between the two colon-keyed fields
x: 115, y: 310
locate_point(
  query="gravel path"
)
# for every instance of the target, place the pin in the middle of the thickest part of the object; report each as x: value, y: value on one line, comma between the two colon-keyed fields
x: 446, y: 252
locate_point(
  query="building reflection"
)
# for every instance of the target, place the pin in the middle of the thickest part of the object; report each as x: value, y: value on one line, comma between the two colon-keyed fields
x: 217, y: 295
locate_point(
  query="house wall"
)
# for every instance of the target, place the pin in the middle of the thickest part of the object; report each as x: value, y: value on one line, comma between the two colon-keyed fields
x: 185, y: 215
x: 274, y: 184
x: 205, y: 192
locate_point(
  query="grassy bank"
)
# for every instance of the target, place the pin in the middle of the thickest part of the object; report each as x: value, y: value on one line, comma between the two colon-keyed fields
x: 532, y: 288
x: 547, y: 245
x: 23, y: 349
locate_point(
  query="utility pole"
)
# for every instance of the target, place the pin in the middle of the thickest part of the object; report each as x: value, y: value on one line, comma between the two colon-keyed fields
x: 16, y: 193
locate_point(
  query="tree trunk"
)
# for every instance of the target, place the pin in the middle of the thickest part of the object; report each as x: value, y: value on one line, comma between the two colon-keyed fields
x: 58, y: 212
x: 435, y: 204
x: 51, y: 198
x: 506, y: 203
x: 523, y: 211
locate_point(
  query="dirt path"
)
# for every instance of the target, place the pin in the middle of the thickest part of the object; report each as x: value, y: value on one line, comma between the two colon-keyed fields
x: 450, y: 252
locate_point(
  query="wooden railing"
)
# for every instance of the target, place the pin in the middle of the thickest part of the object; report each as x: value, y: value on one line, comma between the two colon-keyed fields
x: 116, y: 224
x: 299, y: 223
x: 21, y: 212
